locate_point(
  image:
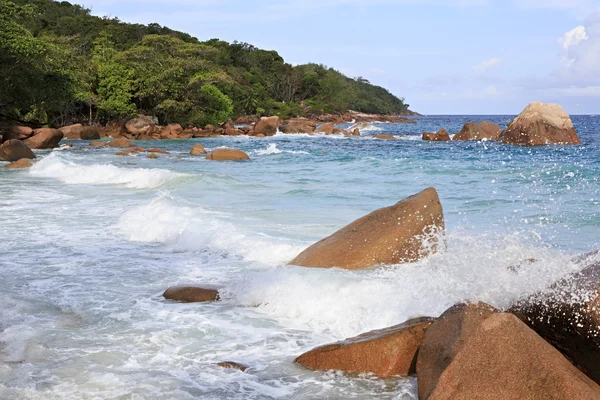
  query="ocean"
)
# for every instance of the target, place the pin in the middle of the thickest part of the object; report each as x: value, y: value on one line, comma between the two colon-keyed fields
x: 90, y: 241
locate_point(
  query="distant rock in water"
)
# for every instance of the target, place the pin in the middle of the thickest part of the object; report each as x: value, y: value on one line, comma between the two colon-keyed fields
x: 502, y: 358
x: 22, y: 163
x: 540, y: 124
x: 568, y: 316
x: 227, y: 155
x: 385, y: 352
x: 478, y: 131
x: 44, y: 138
x: 98, y: 144
x: 121, y: 142
x: 14, y: 150
x: 191, y: 294
x: 197, y: 150
x: 233, y: 365
x: 441, y: 136
x: 405, y: 232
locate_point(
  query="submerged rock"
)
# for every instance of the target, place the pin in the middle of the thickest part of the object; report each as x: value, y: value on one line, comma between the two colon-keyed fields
x: 267, y: 126
x: 197, y: 150
x: 504, y: 359
x: 22, y: 163
x: 540, y: 124
x: 478, y: 131
x: 98, y: 144
x: 441, y: 136
x: 233, y: 365
x: 568, y: 316
x: 44, y: 138
x: 391, y: 235
x: 227, y: 155
x: 385, y: 352
x: 121, y: 142
x: 158, y: 151
x: 14, y: 150
x: 191, y: 294
x: 384, y: 137
x: 152, y: 155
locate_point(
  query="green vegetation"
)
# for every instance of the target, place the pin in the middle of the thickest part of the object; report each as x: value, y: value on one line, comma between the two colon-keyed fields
x: 60, y: 65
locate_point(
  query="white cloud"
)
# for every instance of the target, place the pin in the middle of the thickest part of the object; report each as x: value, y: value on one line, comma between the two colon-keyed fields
x: 573, y: 37
x: 488, y: 64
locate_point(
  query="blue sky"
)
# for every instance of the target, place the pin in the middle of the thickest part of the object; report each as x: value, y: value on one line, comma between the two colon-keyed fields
x: 443, y: 56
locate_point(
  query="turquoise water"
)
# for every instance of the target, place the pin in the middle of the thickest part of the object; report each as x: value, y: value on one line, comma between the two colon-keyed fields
x: 91, y: 240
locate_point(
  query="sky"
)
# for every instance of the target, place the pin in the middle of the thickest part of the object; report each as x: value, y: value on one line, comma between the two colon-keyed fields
x: 443, y: 56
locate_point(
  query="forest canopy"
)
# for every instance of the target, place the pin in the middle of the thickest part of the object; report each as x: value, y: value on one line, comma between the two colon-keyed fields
x: 60, y: 64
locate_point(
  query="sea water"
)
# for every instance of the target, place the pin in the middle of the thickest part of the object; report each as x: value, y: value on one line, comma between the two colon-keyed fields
x: 89, y: 241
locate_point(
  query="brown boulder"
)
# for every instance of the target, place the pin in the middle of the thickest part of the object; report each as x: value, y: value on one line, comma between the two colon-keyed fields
x: 540, y: 124
x: 390, y: 235
x: 158, y: 151
x: 17, y: 132
x: 121, y: 142
x: 191, y: 294
x: 567, y: 315
x: 142, y: 125
x: 72, y: 131
x: 478, y: 131
x: 233, y: 365
x: 227, y: 155
x: 44, y: 138
x: 233, y: 132
x: 260, y: 135
x: 89, y: 133
x: 209, y: 128
x: 152, y: 155
x: 385, y: 352
x: 327, y: 129
x: 267, y: 126
x: 444, y: 339
x: 14, y: 150
x: 505, y: 359
x: 98, y: 144
x: 441, y: 136
x: 22, y: 163
x: 242, y: 121
x: 355, y: 132
x: 384, y: 137
x: 296, y: 129
x: 197, y: 150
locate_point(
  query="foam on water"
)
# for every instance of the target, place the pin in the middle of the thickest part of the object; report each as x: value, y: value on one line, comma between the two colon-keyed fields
x: 58, y: 167
x: 272, y: 149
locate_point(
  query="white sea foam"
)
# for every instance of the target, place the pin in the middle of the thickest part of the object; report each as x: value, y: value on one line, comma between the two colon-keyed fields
x: 195, y: 228
x: 272, y: 149
x: 61, y: 168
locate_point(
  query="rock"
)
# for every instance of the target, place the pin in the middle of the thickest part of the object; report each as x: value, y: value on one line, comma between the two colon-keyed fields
x: 121, y: 142
x: 242, y: 121
x: 390, y: 235
x: 567, y: 315
x: 14, y: 150
x: 444, y: 339
x: 386, y: 352
x: 296, y: 129
x: 89, y: 134
x: 233, y: 132
x: 44, y: 138
x: 152, y: 155
x: 355, y: 132
x: 142, y: 125
x: 147, y: 137
x: 441, y: 136
x: 98, y: 144
x: 72, y: 131
x: 158, y: 151
x: 327, y: 129
x: 197, y: 150
x: 191, y: 294
x: 227, y: 155
x: 209, y: 128
x: 478, y: 131
x: 505, y: 359
x: 384, y: 137
x: 267, y: 126
x: 233, y: 365
x: 22, y: 163
x: 359, y: 125
x: 17, y: 132
x: 185, y: 135
x: 540, y: 124
x: 260, y: 135
x: 130, y: 151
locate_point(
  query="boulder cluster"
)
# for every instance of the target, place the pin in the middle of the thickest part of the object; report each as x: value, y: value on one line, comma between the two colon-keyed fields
x: 538, y: 124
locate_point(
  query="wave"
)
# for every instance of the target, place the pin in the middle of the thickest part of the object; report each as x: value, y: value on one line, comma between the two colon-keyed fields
x: 272, y: 149
x: 58, y: 167
x: 186, y: 228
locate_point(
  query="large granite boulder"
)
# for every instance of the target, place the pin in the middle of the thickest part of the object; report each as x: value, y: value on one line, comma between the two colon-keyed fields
x: 267, y: 126
x: 567, y: 315
x: 14, y: 150
x: 227, y: 155
x: 45, y: 138
x: 141, y: 125
x: 504, y: 359
x: 540, y: 124
x: 17, y: 132
x: 385, y: 352
x: 478, y: 131
x: 89, y: 133
x: 440, y: 136
x: 171, y: 131
x: 405, y: 232
x: 72, y: 131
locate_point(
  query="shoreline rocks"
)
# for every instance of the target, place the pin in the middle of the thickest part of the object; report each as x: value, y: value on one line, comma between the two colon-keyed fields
x: 540, y: 124
x: 386, y: 352
x: 268, y: 126
x: 22, y: 163
x: 44, y: 138
x: 227, y: 155
x: 440, y: 136
x: 478, y: 131
x: 391, y: 235
x: 14, y: 150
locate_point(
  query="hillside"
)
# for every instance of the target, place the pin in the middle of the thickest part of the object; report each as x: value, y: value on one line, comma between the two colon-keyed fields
x: 61, y: 65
